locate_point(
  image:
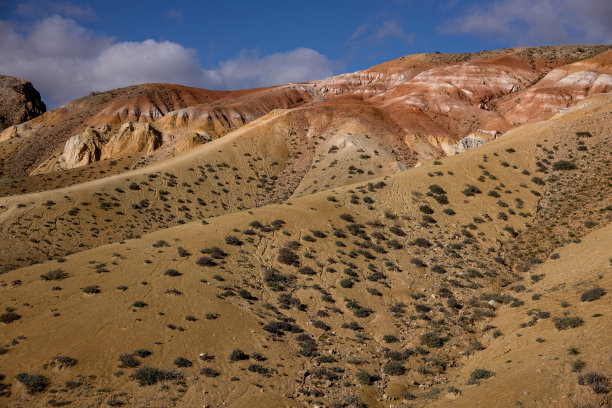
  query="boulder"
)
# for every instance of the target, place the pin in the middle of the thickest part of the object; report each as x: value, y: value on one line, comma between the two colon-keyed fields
x: 82, y: 149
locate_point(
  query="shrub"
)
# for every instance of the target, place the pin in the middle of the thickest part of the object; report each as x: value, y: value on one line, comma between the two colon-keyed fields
x: 567, y: 322
x: 441, y: 199
x: 258, y: 357
x: 183, y: 252
x: 233, y: 240
x: 143, y: 353
x: 578, y: 365
x: 215, y: 252
x: 151, y: 376
x: 438, y: 269
x: 471, y: 190
x: 34, y: 383
x: 209, y: 372
x: 347, y: 217
x: 432, y: 340
x: 238, y: 355
x: 436, y: 189
x: 57, y: 274
x: 362, y: 312
x: 365, y: 378
x: 206, y: 261
x: 139, y: 303
x: 598, y: 382
x: 326, y: 360
x: 9, y: 317
x: 276, y: 281
x: 115, y: 401
x: 91, y: 289
x: 389, y: 338
x: 172, y: 272
x: 66, y: 361
x: 280, y: 327
x: 397, y: 231
x: 321, y: 325
x: 426, y: 209
x: 347, y: 283
x: 182, y: 362
x: 288, y: 257
x: 318, y: 234
x: 160, y: 243
x: 418, y: 262
x: 394, y: 368
x: 428, y: 219
x: 307, y: 270
x: 479, y: 374
x: 563, y: 165
x: 592, y: 294
x: 394, y: 244
x: 128, y: 361
x: 421, y: 243
x: 259, y: 369
x: 245, y: 294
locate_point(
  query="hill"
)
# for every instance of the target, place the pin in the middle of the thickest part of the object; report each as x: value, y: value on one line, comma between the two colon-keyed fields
x: 443, y: 103
x: 434, y: 286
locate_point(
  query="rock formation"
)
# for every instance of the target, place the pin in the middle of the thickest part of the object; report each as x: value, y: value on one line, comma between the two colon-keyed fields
x: 19, y: 101
x: 133, y: 137
x: 82, y: 149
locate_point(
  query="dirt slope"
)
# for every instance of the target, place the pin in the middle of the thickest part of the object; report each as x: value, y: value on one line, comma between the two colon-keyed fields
x: 284, y: 154
x: 384, y: 293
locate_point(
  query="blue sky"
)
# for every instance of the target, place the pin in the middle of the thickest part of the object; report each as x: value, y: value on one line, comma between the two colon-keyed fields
x: 68, y: 48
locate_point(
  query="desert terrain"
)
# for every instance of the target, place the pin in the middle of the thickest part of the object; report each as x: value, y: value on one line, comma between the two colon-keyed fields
x: 431, y: 232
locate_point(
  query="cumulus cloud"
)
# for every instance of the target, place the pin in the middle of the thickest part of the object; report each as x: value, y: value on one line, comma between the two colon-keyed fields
x: 65, y: 61
x: 301, y: 64
x: 537, y: 22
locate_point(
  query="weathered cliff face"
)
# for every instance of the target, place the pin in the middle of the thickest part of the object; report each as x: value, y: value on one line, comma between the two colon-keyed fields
x: 175, y: 110
x: 49, y: 132
x: 19, y: 101
x: 441, y: 99
x: 132, y: 138
x: 229, y: 114
x: 563, y: 87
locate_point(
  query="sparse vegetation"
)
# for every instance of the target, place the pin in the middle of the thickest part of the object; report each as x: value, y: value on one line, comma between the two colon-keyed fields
x: 34, y: 383
x: 567, y: 322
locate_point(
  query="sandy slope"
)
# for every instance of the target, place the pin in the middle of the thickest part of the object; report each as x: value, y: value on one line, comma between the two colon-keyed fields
x: 96, y: 328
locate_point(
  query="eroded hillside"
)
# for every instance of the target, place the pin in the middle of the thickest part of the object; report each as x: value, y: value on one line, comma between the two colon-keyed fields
x: 443, y: 104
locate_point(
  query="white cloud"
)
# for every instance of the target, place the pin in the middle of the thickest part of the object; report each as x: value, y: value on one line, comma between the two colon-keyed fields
x: 300, y: 64
x: 65, y: 61
x: 537, y: 22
